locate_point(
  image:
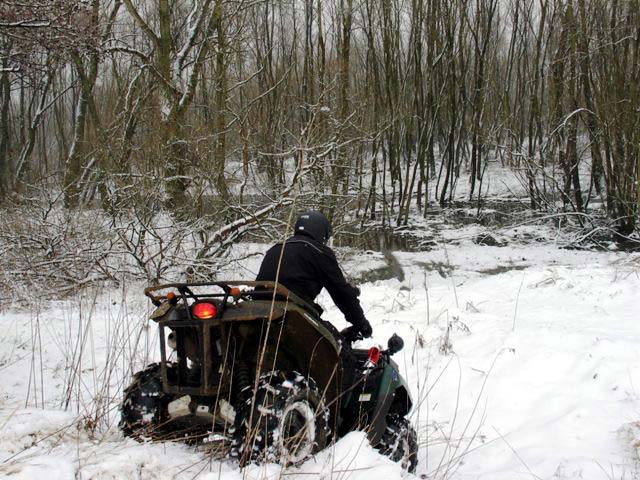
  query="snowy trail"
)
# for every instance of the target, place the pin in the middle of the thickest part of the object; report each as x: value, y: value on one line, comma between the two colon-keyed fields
x: 530, y: 356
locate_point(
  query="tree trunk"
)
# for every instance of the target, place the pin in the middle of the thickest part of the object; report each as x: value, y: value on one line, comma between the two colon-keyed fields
x: 5, y: 100
x: 221, y: 105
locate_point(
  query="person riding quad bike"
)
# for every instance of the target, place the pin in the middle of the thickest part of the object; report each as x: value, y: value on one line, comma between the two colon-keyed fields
x: 262, y: 373
x: 304, y: 264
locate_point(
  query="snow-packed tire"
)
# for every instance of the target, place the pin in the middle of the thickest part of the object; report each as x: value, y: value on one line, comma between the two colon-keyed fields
x: 287, y: 423
x: 400, y: 442
x: 144, y: 406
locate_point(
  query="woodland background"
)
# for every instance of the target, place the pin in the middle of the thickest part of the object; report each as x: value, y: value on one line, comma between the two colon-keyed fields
x: 161, y: 132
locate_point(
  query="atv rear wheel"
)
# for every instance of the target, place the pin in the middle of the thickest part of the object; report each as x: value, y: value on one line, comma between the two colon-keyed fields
x: 144, y: 406
x: 287, y: 423
x: 400, y: 442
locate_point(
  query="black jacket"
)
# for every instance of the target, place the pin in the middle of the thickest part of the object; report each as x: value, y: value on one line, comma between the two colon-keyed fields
x: 308, y: 266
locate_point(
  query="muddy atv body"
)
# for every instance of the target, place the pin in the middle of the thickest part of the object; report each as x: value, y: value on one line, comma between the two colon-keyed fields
x: 253, y: 364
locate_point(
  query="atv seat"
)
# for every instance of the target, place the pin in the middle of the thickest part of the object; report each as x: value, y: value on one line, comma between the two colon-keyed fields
x: 262, y: 293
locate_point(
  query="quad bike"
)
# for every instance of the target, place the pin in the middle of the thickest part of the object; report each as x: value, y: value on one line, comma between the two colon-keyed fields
x: 266, y: 374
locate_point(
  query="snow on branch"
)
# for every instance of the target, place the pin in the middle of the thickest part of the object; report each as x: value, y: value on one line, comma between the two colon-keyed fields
x: 26, y: 24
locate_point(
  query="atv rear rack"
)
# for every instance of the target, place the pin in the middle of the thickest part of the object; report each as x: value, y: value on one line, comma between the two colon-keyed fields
x: 265, y: 290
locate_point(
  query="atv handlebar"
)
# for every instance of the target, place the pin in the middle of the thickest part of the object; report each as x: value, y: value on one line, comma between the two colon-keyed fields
x: 394, y: 344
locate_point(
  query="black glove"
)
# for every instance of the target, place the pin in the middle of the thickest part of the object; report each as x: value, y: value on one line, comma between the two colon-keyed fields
x: 357, y: 332
x: 365, y: 329
x: 351, y: 334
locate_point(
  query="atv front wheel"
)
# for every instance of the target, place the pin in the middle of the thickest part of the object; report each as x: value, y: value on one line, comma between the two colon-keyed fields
x: 287, y: 423
x: 400, y: 442
x: 144, y: 406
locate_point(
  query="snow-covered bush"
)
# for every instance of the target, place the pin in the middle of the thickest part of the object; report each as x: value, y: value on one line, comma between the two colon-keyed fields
x: 46, y: 250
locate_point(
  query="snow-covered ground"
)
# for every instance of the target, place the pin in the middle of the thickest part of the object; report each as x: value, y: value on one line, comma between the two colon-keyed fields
x: 523, y: 360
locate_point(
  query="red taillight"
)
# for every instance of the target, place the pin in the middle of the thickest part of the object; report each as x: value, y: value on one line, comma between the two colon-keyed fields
x: 374, y: 355
x: 204, y: 310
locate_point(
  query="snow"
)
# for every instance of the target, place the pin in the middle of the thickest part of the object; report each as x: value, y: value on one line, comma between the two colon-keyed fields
x: 523, y: 362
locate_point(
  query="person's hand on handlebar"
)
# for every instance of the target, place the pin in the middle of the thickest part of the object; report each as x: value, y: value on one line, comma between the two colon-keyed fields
x: 355, y: 333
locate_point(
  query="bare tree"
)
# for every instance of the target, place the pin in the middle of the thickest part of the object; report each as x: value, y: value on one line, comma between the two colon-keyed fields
x: 217, y: 103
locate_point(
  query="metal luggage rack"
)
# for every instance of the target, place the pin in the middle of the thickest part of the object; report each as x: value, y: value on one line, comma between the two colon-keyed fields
x: 229, y: 289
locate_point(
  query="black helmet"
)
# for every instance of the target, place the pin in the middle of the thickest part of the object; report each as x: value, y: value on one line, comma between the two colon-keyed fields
x: 314, y: 224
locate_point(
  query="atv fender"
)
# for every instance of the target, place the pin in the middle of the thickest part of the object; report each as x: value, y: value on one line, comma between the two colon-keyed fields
x: 393, y: 397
